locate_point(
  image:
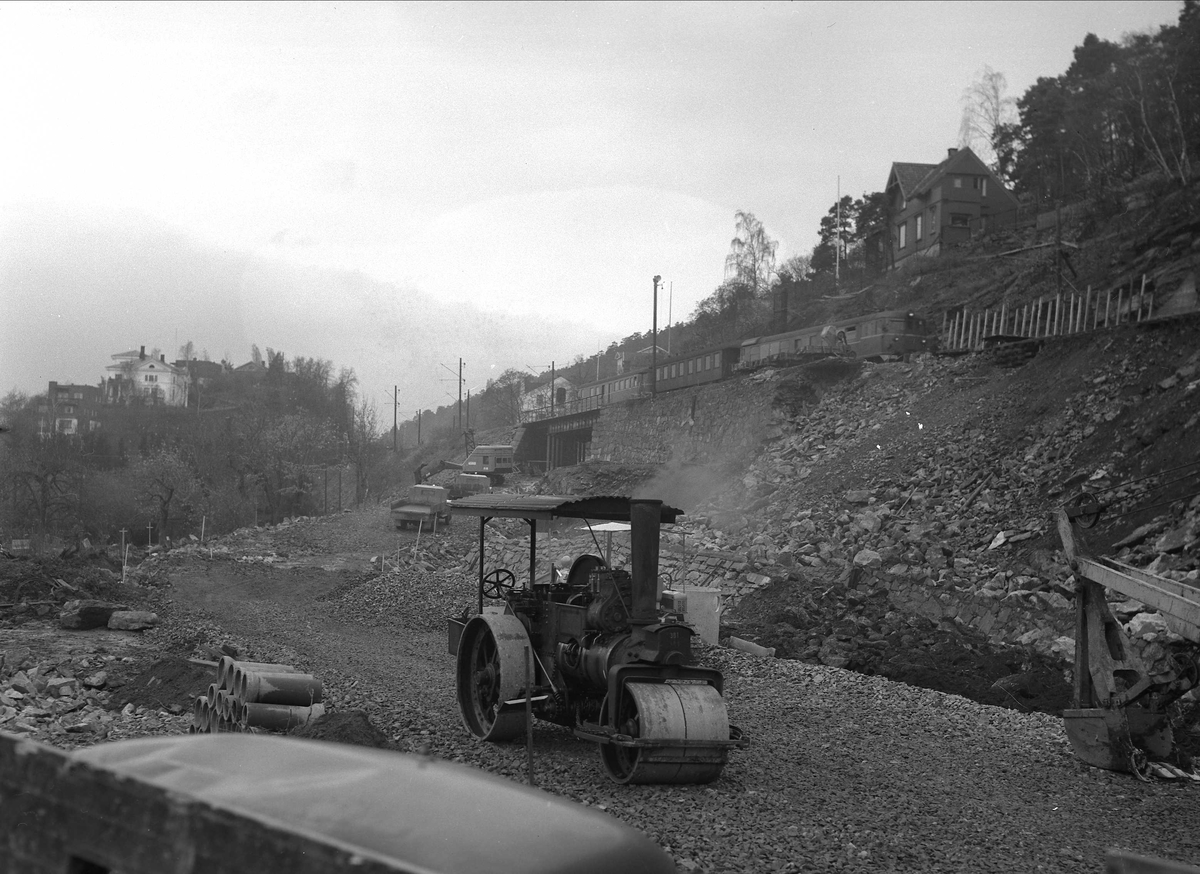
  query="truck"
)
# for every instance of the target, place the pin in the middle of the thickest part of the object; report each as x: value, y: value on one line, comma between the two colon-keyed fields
x: 425, y: 507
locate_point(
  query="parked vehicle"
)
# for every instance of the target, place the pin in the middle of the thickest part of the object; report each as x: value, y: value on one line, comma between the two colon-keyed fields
x: 589, y: 650
x: 425, y: 507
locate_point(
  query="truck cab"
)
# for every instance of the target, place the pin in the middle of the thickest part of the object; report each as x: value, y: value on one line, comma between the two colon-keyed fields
x: 425, y: 507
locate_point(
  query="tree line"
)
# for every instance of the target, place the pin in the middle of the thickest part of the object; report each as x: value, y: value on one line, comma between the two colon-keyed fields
x: 246, y: 450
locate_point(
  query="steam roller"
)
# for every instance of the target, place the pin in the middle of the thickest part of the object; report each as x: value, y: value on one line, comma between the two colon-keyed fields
x: 590, y: 650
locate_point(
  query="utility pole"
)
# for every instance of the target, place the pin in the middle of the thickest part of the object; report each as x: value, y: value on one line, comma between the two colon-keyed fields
x: 654, y: 343
x: 460, y: 388
x: 670, y: 301
x: 395, y: 413
x: 418, y: 427
x: 553, y: 388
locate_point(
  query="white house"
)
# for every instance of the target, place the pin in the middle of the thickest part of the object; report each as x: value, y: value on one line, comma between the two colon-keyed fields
x: 136, y: 375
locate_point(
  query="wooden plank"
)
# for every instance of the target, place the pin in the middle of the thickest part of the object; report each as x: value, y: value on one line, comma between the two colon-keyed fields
x: 1149, y: 589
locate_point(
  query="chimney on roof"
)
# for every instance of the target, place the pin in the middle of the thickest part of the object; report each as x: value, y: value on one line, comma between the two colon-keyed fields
x: 142, y: 354
x: 951, y: 152
x: 163, y: 358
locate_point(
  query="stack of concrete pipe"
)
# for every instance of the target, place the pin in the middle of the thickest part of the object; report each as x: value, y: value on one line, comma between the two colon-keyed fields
x: 262, y: 696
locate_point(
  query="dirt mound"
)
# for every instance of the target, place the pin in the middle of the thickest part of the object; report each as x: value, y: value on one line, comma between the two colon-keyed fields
x: 348, y: 727
x: 169, y: 683
x: 825, y: 622
x: 27, y: 584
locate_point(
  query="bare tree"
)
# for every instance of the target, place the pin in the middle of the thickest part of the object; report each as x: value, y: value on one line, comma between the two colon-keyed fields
x: 985, y: 109
x: 751, y: 258
x: 164, y: 480
x: 363, y: 447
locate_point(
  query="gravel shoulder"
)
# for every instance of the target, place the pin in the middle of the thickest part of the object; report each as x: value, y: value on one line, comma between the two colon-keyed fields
x: 845, y: 772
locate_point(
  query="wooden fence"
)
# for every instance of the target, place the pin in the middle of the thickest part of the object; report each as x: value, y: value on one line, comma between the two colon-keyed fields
x: 1053, y: 316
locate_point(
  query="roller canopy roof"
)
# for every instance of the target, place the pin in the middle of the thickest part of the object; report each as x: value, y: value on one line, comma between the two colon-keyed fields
x: 611, y: 508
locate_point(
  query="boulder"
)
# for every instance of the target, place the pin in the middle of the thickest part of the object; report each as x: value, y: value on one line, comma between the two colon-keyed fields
x: 132, y: 620
x: 84, y: 614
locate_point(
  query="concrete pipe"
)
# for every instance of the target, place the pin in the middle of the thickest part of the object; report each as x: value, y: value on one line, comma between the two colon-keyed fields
x: 199, y: 706
x: 211, y: 694
x: 299, y: 690
x: 225, y: 671
x: 280, y: 717
x: 239, y: 668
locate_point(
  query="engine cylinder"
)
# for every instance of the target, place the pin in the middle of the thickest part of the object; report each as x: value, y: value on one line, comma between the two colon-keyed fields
x: 589, y: 660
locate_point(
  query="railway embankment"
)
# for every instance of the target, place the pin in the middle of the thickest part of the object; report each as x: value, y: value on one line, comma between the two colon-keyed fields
x: 852, y: 514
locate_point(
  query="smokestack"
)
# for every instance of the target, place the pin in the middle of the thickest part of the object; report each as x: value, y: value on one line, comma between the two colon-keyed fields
x: 644, y: 517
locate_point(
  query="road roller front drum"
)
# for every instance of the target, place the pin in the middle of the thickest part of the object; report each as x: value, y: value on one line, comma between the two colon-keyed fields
x: 665, y: 732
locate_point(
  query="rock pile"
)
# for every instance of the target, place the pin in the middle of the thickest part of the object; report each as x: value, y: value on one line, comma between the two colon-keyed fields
x: 69, y: 702
x: 959, y: 506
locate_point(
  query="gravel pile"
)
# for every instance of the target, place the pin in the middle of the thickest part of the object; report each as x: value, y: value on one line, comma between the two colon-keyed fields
x: 405, y: 597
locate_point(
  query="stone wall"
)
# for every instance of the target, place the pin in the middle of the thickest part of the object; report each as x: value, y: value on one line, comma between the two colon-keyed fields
x: 698, y: 425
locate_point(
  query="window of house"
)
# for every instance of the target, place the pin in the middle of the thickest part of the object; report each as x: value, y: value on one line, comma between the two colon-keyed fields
x: 151, y: 377
x: 958, y: 182
x: 932, y: 220
x: 983, y: 186
x: 903, y: 235
x: 920, y: 226
x: 960, y: 220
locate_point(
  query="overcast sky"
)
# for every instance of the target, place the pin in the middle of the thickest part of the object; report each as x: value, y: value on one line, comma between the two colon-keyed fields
x: 522, y: 156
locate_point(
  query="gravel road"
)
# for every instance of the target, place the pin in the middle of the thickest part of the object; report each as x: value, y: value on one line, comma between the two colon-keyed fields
x: 844, y: 772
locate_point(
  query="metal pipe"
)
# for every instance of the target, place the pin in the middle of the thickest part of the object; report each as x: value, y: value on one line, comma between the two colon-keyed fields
x: 482, y: 523
x: 645, y: 517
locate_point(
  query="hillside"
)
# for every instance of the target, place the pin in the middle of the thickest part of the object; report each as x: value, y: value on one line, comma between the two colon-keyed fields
x: 1146, y: 229
x: 939, y: 475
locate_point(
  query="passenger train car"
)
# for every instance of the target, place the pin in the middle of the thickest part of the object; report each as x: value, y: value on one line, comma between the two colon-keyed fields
x: 696, y: 368
x: 891, y: 333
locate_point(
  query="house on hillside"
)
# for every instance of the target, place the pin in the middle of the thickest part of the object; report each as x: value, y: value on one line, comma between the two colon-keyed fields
x: 537, y: 401
x: 251, y: 370
x: 70, y: 409
x: 937, y: 205
x: 141, y: 378
x: 200, y: 375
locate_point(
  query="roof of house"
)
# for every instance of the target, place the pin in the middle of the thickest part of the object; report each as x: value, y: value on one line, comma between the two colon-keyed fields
x: 915, y: 179
x: 909, y: 176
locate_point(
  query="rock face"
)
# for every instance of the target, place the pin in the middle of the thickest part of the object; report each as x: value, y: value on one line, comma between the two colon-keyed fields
x: 84, y: 614
x: 936, y: 477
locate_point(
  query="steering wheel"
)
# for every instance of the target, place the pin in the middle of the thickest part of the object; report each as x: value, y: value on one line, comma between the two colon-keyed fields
x: 498, y: 582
